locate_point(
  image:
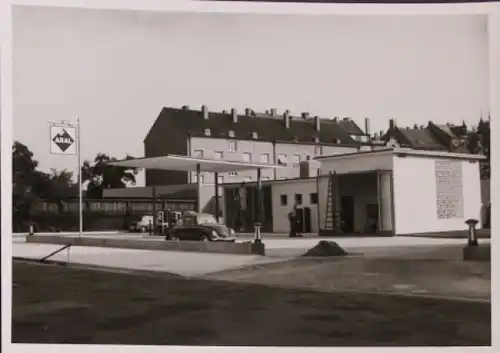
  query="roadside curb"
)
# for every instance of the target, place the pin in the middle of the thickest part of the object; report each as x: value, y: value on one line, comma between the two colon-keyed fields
x: 347, y: 290
x: 118, y: 270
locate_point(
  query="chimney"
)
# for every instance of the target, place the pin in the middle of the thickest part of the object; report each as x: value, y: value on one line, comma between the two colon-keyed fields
x: 286, y: 118
x: 367, y: 125
x: 248, y: 111
x: 305, y: 115
x: 274, y: 112
x: 225, y: 112
x: 392, y: 124
x: 204, y: 112
x: 316, y: 123
x: 185, y: 107
x: 415, y: 126
x: 234, y: 114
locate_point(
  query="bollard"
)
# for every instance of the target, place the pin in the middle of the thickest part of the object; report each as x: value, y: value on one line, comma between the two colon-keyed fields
x: 150, y: 228
x: 31, y: 229
x: 258, y: 239
x: 472, y: 237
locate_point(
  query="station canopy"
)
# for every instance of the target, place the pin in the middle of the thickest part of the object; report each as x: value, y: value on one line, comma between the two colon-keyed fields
x: 189, y: 164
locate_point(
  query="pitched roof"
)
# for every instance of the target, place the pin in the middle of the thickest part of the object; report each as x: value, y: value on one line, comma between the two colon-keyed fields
x: 350, y: 126
x: 417, y: 138
x: 447, y: 130
x: 267, y: 127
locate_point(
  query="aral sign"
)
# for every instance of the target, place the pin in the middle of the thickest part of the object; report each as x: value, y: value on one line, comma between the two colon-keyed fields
x: 63, y: 139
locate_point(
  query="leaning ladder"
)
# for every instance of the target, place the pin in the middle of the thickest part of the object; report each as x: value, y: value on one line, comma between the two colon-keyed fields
x: 332, y: 217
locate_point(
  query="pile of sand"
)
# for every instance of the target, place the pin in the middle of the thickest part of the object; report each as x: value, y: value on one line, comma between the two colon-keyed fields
x: 326, y: 248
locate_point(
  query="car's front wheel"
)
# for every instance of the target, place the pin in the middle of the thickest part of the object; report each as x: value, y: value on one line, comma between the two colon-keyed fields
x: 171, y: 236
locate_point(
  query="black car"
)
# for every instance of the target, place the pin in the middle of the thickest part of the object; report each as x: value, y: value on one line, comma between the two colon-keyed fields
x: 202, y: 226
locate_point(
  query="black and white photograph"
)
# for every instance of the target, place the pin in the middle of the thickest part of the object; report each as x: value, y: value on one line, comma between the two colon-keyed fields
x: 212, y: 178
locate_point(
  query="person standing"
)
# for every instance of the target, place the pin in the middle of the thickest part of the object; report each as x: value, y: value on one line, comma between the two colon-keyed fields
x: 292, y: 219
x: 298, y: 221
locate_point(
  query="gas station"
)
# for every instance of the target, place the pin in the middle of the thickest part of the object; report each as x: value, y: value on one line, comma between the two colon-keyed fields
x: 181, y: 163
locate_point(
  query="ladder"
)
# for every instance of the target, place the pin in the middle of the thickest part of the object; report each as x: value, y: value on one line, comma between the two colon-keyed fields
x: 332, y: 216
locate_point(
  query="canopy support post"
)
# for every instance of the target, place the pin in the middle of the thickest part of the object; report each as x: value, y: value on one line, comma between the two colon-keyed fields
x: 258, y: 218
x: 216, y: 183
x: 198, y: 188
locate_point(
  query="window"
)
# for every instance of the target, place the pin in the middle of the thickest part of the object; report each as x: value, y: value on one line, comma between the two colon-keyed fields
x: 195, y: 179
x: 232, y: 146
x: 255, y: 135
x: 220, y: 179
x: 198, y: 154
x: 298, y: 199
x: 296, y: 159
x: 284, y: 199
x: 282, y: 158
x: 207, y: 132
x: 313, y: 198
x: 264, y: 158
x: 219, y: 155
x: 231, y: 133
x: 247, y: 179
x: 308, y: 158
x: 247, y: 157
x: 232, y: 174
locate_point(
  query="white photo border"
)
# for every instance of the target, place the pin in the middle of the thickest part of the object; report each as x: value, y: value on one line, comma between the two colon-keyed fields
x: 491, y: 9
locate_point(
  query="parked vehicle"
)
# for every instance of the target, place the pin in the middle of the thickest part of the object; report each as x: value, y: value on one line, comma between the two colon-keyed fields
x: 142, y: 224
x: 203, y: 226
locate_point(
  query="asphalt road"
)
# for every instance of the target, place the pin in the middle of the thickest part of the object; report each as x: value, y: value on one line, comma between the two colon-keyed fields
x: 54, y: 304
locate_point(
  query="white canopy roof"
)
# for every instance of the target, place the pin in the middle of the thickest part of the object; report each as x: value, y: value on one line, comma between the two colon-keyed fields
x: 188, y: 164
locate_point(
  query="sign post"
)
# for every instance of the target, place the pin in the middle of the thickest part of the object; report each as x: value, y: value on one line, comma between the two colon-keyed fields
x: 65, y: 140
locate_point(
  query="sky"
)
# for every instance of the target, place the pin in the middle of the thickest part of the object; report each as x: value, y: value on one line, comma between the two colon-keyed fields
x: 115, y: 70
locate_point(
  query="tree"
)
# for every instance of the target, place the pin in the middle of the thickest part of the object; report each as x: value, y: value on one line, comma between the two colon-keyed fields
x: 100, y: 175
x: 60, y: 184
x: 27, y: 181
x: 479, y: 143
x: 31, y: 184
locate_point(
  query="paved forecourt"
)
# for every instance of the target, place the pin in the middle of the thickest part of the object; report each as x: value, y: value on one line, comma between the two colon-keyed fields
x: 192, y: 264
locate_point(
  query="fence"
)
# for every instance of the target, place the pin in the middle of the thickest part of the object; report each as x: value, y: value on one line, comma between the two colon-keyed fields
x: 98, y: 214
x: 113, y: 207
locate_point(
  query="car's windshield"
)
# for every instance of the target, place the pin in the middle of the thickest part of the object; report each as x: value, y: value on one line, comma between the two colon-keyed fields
x: 188, y: 220
x: 206, y: 219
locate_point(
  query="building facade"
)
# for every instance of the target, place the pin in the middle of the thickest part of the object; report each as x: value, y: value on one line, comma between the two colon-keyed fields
x: 375, y: 194
x: 266, y: 138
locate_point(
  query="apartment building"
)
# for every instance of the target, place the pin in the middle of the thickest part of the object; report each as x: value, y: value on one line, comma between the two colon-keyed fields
x: 436, y: 137
x: 252, y: 137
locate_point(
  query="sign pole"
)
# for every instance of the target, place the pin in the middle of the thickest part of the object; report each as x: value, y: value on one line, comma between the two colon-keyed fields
x: 80, y: 193
x: 65, y: 140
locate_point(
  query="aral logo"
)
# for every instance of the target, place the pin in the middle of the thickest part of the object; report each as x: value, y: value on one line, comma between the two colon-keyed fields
x: 63, y: 140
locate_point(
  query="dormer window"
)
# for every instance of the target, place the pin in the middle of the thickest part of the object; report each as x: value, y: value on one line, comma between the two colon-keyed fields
x: 231, y: 133
x: 207, y: 132
x: 255, y: 135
